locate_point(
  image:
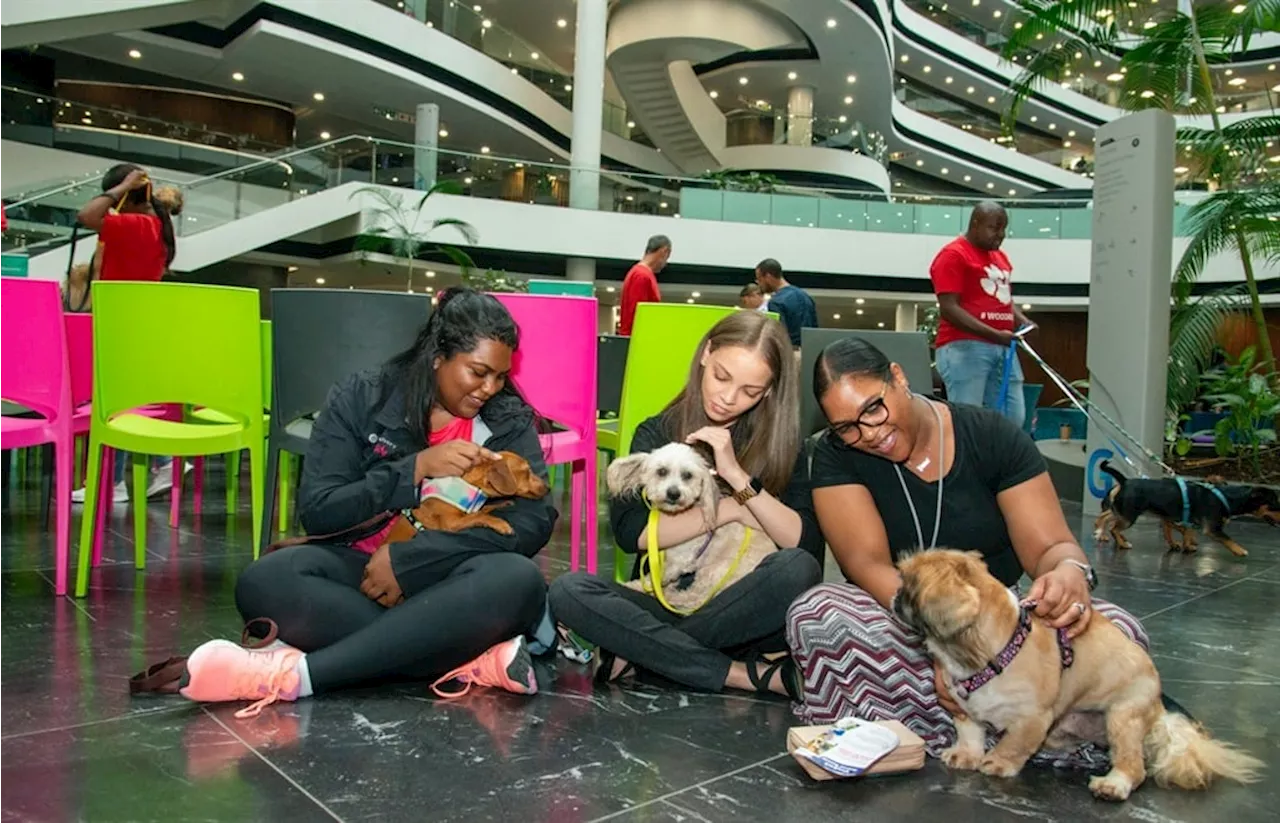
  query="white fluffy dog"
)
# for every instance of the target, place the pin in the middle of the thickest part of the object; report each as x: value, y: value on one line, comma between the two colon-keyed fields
x: 675, y: 479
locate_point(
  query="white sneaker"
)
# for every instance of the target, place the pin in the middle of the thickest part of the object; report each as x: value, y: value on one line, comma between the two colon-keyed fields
x: 162, y: 479
x: 119, y: 494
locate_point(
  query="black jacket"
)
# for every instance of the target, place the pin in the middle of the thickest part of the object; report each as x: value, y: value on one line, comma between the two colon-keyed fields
x: 628, y: 515
x: 360, y: 464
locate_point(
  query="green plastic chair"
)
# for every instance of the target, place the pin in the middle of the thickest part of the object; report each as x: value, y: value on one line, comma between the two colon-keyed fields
x: 215, y: 360
x: 573, y: 288
x: 664, y: 341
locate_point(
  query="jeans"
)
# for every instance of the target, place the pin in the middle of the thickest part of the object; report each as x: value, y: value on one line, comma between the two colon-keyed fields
x: 743, y: 621
x: 313, y: 594
x: 972, y: 371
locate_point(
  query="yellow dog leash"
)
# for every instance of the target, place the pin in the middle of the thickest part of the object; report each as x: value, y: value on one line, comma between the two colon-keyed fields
x: 651, y: 567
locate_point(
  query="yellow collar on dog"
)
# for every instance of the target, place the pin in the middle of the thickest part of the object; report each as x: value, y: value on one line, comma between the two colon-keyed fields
x: 651, y: 566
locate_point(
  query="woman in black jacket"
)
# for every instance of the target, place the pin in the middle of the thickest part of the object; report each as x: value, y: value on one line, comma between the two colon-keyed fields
x: 741, y: 402
x: 351, y: 609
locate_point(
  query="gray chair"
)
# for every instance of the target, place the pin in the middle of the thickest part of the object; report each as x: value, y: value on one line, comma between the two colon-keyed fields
x: 611, y: 364
x: 319, y: 337
x: 909, y: 349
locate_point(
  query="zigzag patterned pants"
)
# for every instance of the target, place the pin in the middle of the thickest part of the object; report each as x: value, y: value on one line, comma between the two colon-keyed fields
x: 858, y: 660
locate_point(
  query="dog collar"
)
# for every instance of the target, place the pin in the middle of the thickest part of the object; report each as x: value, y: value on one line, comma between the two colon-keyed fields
x: 413, y: 520
x: 969, y: 685
x: 1186, y: 500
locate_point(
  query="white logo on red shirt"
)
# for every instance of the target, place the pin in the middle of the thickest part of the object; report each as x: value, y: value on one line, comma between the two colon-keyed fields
x: 996, y: 283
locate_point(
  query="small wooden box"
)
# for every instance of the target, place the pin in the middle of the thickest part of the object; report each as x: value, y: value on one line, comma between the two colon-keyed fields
x: 909, y: 755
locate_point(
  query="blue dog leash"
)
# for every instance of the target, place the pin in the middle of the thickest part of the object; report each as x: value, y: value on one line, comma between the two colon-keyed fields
x: 1003, y: 405
x: 1186, y: 501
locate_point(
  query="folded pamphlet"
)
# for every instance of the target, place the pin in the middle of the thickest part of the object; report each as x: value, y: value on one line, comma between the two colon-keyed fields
x: 856, y: 747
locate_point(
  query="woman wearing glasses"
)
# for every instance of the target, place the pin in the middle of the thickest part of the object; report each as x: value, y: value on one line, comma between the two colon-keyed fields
x: 897, y: 472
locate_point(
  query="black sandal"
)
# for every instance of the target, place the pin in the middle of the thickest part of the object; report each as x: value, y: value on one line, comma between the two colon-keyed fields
x: 604, y: 668
x: 787, y: 670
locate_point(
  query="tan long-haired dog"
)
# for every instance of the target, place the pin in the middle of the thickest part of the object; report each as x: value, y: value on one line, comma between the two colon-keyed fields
x: 675, y: 479
x: 968, y: 618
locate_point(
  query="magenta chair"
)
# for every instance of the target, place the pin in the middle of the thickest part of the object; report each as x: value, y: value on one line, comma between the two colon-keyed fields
x: 33, y: 357
x: 555, y: 370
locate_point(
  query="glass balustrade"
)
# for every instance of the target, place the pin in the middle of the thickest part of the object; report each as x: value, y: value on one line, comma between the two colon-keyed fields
x: 252, y: 190
x: 755, y: 127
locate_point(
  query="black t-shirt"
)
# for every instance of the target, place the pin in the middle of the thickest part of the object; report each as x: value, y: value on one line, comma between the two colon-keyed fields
x: 991, y: 455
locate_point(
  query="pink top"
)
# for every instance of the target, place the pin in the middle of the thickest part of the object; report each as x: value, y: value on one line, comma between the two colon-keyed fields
x: 459, y: 429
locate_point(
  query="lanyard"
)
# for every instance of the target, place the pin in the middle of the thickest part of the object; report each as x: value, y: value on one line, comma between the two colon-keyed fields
x: 937, y: 515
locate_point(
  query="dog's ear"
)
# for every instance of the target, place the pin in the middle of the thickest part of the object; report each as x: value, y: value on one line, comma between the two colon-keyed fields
x: 626, y: 475
x: 954, y: 612
x: 709, y: 499
x: 500, y: 479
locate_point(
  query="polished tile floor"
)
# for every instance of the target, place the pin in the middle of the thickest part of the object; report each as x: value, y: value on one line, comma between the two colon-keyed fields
x: 76, y: 747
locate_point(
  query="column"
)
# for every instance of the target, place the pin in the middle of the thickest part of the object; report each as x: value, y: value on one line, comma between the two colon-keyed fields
x: 800, y: 116
x: 588, y: 114
x: 426, y: 132
x: 904, y: 317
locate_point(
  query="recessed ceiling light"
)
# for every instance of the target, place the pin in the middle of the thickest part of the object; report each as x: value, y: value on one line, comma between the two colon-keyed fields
x: 1237, y: 81
x: 1239, y: 9
x: 318, y: 97
x: 1052, y: 126
x: 948, y: 81
x: 848, y: 101
x: 1066, y: 144
x: 562, y: 22
x: 631, y: 124
x: 568, y: 87
x: 484, y: 149
x: 487, y: 24
x: 842, y: 118
x: 1034, y: 118
x: 444, y: 132
x: 835, y: 317
x: 945, y: 170
x: 431, y: 274
x: 1271, y: 67
x: 476, y: 9
x: 860, y: 301
x: 857, y: 311
x: 1147, y: 94
x: 319, y: 281
x: 1180, y: 169
x: 997, y: 14
x: 690, y: 300
x: 466, y: 181
x: 237, y: 76
x: 991, y: 185
x: 928, y: 69
x: 968, y: 177
x: 881, y: 324
x: 1229, y: 72
x: 906, y: 57
x: 831, y: 23
x: 969, y: 90
x: 991, y: 100
x: 533, y: 55
x: 791, y: 75
x: 1012, y: 192
x: 519, y: 165
x: 610, y: 289
x: 714, y: 95
x: 324, y: 135
x: 919, y: 162
x: 1071, y: 133
x: 135, y: 54
x: 853, y: 78
x: 742, y: 81
x: 695, y: 294
x: 662, y: 205
x: 1115, y: 77
x: 1026, y: 307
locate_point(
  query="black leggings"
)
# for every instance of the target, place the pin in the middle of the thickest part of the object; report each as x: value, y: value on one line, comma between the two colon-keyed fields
x: 743, y: 621
x: 313, y: 594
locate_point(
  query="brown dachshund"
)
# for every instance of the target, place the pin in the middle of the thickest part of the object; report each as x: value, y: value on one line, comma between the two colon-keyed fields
x: 508, y: 477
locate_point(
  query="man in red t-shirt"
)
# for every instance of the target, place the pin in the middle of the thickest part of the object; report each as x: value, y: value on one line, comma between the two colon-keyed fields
x: 641, y: 282
x: 978, y: 317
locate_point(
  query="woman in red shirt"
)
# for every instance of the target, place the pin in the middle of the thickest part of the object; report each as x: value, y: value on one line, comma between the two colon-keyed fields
x: 135, y: 242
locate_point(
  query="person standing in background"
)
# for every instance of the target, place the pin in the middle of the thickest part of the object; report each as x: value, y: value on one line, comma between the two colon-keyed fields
x: 751, y: 297
x: 641, y: 282
x: 971, y: 278
x: 793, y: 306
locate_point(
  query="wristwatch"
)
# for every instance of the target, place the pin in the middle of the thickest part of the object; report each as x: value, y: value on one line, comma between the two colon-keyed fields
x: 1090, y: 576
x: 748, y: 491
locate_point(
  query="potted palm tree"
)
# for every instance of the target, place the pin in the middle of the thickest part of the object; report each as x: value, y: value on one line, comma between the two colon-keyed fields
x: 397, y: 227
x: 1164, y: 62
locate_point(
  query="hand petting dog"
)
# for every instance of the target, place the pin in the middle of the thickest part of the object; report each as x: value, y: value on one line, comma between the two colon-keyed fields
x: 726, y: 462
x: 1062, y: 599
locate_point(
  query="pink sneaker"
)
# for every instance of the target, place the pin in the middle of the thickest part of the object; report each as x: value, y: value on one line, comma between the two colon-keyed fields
x: 219, y: 671
x: 504, y: 666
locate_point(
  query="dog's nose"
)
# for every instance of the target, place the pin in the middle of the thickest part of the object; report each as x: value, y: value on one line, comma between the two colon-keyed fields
x: 673, y: 494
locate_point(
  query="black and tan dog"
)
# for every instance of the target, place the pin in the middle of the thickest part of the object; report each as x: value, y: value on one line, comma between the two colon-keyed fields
x: 1185, y: 505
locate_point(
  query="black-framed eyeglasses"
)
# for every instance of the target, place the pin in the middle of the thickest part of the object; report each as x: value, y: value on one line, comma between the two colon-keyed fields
x: 875, y: 414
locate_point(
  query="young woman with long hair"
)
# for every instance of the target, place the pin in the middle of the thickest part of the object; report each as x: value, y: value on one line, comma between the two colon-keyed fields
x: 353, y: 610
x: 741, y: 402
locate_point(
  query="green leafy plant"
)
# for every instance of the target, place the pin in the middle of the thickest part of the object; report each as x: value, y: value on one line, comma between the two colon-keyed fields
x: 928, y: 323
x: 1165, y: 64
x: 734, y: 180
x: 398, y: 230
x: 1245, y: 396
x: 493, y: 280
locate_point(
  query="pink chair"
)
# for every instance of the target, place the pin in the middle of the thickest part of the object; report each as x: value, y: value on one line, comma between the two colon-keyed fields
x: 80, y: 352
x: 555, y: 370
x: 33, y: 357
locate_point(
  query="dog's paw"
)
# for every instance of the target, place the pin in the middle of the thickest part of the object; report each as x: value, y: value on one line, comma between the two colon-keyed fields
x: 1111, y: 786
x: 960, y: 757
x: 995, y: 766
x: 1100, y: 536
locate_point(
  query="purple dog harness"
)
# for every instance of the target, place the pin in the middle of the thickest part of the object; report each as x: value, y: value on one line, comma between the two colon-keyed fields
x: 969, y: 685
